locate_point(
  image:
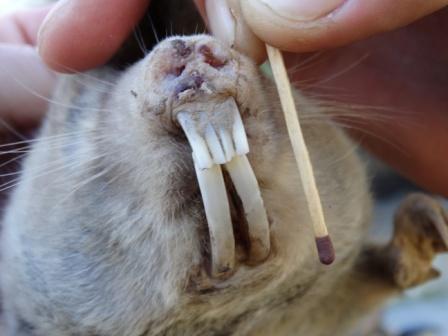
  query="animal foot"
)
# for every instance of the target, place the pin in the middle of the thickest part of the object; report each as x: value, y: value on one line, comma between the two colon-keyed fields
x: 421, y: 232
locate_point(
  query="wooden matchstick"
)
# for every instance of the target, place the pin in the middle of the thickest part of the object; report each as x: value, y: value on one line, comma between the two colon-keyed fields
x: 323, y: 241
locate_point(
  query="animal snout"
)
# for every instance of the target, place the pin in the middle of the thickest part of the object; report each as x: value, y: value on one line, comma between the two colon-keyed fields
x: 195, y: 64
x: 208, y: 52
x: 190, y: 70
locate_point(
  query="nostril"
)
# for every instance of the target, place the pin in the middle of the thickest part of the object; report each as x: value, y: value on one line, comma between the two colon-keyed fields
x: 193, y: 82
x: 181, y: 48
x: 210, y: 58
x: 181, y: 87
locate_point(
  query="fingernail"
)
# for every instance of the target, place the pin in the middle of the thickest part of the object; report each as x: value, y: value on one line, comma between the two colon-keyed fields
x: 221, y: 20
x: 303, y: 10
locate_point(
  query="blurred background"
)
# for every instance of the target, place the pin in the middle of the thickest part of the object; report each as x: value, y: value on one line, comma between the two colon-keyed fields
x: 11, y: 5
x: 422, y: 311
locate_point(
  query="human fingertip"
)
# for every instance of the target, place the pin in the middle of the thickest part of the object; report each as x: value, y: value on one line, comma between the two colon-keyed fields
x: 82, y: 34
x: 300, y: 10
x: 289, y: 25
x: 45, y: 46
x: 51, y: 15
x: 220, y: 20
x: 310, y: 25
x: 226, y: 22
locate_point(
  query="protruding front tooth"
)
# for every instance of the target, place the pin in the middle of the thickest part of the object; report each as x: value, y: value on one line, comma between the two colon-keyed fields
x: 216, y: 204
x: 239, y: 134
x: 227, y: 144
x: 197, y: 143
x: 246, y: 184
x: 214, y: 145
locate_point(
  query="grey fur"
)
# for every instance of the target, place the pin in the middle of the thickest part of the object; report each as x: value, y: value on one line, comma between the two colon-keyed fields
x: 115, y: 242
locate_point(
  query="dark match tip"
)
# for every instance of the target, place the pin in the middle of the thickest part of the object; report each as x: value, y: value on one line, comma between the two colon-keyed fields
x: 325, y: 250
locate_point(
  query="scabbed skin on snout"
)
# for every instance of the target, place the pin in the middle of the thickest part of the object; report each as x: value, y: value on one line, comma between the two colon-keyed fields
x: 112, y: 238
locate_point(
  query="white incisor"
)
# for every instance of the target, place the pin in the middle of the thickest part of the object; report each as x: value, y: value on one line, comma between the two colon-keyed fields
x: 214, y: 145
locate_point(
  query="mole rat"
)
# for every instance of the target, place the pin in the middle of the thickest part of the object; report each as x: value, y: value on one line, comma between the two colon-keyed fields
x: 106, y: 233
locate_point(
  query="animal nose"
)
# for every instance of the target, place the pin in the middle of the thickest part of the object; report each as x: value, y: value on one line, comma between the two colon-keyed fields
x: 203, y: 52
x: 181, y: 48
x: 194, y: 64
x: 210, y: 58
x: 192, y: 81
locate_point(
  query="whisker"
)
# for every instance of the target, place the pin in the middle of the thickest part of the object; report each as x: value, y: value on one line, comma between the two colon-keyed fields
x: 92, y: 87
x: 306, y: 63
x: 351, y: 150
x: 26, y: 152
x: 359, y: 113
x: 56, y: 166
x: 372, y: 134
x: 344, y: 70
x: 51, y: 101
x: 140, y: 41
x: 151, y: 22
x: 97, y: 139
x: 310, y: 86
x: 11, y: 129
x: 361, y: 116
x: 309, y: 121
x: 94, y: 78
x: 88, y: 75
x: 16, y: 158
x: 82, y: 184
x: 52, y: 137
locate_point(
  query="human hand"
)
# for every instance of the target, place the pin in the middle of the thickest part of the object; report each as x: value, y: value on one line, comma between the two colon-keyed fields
x: 21, y: 69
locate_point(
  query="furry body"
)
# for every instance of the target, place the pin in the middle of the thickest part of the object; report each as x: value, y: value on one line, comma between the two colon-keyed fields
x: 110, y: 238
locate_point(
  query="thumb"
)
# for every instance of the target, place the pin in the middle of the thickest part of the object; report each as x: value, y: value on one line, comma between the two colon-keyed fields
x: 309, y: 25
x: 78, y: 35
x: 225, y: 20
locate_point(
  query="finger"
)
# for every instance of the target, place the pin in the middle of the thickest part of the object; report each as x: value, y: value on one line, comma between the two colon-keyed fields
x: 200, y: 4
x: 80, y: 34
x: 22, y: 26
x: 419, y: 153
x: 307, y: 25
x: 25, y: 85
x: 225, y: 21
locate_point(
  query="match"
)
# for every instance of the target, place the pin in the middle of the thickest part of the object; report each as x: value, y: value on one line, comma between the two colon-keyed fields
x: 324, y: 245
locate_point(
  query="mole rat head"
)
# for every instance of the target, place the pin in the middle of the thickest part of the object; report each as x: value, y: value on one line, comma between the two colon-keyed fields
x: 198, y: 80
x: 194, y: 95
x: 194, y: 72
x: 194, y: 69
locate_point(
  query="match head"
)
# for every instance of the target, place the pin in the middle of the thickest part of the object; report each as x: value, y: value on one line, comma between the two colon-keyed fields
x: 325, y: 250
